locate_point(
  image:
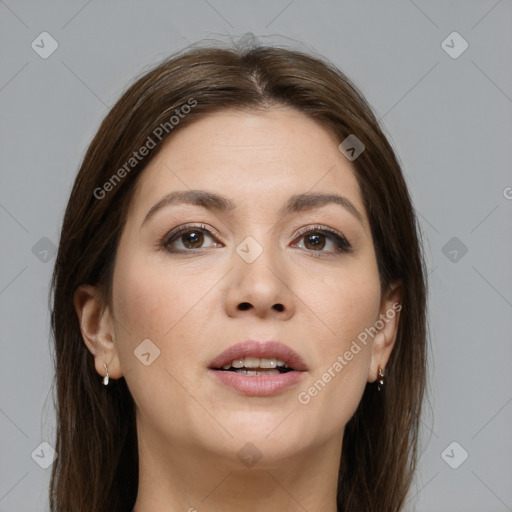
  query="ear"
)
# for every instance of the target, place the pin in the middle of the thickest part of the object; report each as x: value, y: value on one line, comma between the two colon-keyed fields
x: 387, y: 326
x: 97, y: 330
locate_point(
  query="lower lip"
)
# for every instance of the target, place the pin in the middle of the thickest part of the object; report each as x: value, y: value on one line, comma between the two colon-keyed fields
x: 258, y: 385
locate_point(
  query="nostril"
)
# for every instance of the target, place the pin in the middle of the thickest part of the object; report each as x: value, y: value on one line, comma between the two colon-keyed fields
x: 243, y: 306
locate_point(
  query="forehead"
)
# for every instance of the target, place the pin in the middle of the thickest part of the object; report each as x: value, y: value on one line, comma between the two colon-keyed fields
x: 248, y: 156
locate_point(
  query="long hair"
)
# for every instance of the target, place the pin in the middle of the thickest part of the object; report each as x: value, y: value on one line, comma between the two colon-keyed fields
x: 97, y: 465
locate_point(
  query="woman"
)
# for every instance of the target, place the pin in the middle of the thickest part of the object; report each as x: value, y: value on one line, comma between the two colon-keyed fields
x: 239, y: 297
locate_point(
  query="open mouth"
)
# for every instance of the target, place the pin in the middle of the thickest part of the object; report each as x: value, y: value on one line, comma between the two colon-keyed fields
x: 256, y: 366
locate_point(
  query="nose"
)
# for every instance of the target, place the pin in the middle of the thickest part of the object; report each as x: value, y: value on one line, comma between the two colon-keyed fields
x: 261, y: 288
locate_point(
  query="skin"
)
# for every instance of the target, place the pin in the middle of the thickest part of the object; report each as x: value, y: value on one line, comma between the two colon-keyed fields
x: 191, y: 427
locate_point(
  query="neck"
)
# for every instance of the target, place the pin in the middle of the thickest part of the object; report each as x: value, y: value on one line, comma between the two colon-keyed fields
x: 190, y: 478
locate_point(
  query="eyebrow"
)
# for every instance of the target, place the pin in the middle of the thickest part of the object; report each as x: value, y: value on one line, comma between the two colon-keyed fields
x: 211, y: 201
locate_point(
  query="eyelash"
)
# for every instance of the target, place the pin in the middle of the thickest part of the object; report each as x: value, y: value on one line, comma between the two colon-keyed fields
x: 342, y: 244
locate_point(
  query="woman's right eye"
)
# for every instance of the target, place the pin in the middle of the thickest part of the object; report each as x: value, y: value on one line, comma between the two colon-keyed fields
x: 187, y: 239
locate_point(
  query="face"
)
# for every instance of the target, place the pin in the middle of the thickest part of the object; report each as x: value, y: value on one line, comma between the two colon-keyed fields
x: 263, y: 261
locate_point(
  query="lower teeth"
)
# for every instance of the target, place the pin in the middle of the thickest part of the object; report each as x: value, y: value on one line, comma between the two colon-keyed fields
x: 262, y: 372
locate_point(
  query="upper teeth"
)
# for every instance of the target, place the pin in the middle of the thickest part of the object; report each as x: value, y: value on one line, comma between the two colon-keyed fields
x: 255, y: 362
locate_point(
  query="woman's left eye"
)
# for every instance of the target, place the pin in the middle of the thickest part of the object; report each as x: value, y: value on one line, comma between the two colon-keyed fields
x: 317, y: 239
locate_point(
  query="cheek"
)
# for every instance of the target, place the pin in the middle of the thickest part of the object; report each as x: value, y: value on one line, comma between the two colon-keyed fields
x: 163, y: 305
x: 167, y: 305
x: 153, y: 299
x: 345, y: 304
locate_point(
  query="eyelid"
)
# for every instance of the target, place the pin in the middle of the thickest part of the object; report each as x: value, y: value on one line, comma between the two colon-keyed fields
x: 189, y: 227
x: 326, y: 230
x: 317, y: 227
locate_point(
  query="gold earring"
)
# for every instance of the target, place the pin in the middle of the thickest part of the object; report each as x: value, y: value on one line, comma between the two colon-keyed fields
x: 380, y: 380
x: 105, y: 379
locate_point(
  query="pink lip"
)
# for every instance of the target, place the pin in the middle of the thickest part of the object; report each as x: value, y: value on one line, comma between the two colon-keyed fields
x: 259, y: 385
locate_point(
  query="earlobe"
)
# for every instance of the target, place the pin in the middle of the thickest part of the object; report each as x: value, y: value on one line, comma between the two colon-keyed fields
x: 97, y: 330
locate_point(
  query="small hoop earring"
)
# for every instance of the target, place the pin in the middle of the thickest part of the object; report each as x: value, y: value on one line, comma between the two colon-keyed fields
x: 106, y: 378
x: 380, y: 380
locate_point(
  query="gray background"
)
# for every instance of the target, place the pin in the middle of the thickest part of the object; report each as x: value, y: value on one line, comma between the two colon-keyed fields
x: 448, y: 118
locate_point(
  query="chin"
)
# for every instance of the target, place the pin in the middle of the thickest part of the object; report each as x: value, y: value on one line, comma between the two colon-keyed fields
x: 272, y: 439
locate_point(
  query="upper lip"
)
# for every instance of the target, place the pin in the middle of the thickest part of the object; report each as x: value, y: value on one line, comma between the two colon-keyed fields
x: 260, y: 349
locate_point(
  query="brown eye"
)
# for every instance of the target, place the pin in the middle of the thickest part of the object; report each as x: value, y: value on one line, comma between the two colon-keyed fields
x: 315, y: 241
x: 192, y: 239
x: 323, y: 240
x: 188, y: 238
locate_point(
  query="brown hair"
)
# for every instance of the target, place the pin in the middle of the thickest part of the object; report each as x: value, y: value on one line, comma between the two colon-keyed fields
x: 97, y: 465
